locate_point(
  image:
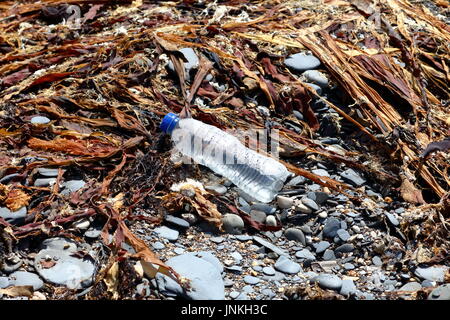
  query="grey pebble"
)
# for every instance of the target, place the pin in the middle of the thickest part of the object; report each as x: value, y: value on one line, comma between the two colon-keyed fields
x: 269, y: 271
x: 167, y: 233
x: 23, y: 278
x: 243, y: 237
x: 316, y: 77
x: 305, y: 254
x: 348, y: 287
x: 321, y: 172
x: 346, y: 247
x: 4, y: 282
x: 13, y: 217
x: 258, y: 216
x: 234, y: 294
x: 44, y: 182
x: 302, y: 61
x: 296, y: 235
x: 411, y: 286
x: 217, y: 239
x: 343, y: 234
x: 269, y: 245
x: 331, y: 227
x: 440, y: 293
x: 39, y: 120
x: 177, y: 221
x: 322, y: 246
x: 376, y: 260
x: 436, y: 273
x: 286, y: 265
x: 251, y: 280
x: 158, y: 245
x: 218, y: 189
x: 352, y: 177
x: 72, y: 186
x: 232, y: 223
x: 329, y: 255
x: 48, y: 172
x: 310, y: 204
x: 329, y: 281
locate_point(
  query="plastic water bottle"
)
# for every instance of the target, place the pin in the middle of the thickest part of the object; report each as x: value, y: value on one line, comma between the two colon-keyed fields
x: 259, y: 176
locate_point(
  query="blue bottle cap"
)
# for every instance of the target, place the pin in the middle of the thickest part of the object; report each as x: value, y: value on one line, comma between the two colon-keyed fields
x: 169, y: 122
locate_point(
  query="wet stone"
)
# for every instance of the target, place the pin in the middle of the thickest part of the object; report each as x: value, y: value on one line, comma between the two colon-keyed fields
x: 318, y: 197
x: 345, y: 248
x: 302, y: 62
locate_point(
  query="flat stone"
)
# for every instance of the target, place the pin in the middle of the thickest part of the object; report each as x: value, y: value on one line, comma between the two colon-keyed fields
x: 268, y: 293
x: 72, y: 186
x: 302, y: 62
x: 316, y: 77
x: 321, y: 172
x: 44, y: 182
x: 217, y: 239
x: 251, y: 280
x: 315, y: 87
x: 323, y: 215
x: 192, y: 60
x: 258, y: 216
x: 232, y: 223
x: 4, y: 282
x: 269, y: 271
x: 158, y: 245
x: 269, y: 246
x: 440, y: 293
x: 23, y: 278
x: 177, y: 221
x: 305, y: 254
x: 178, y: 250
x: 13, y: 217
x: 59, y: 243
x: 436, y: 273
x: 318, y: 197
x: 352, y: 177
x: 236, y: 269
x: 271, y: 221
x: 64, y: 269
x: 217, y: 189
x: 343, y: 234
x: 348, y: 287
x: 211, y: 258
x: 411, y: 286
x: 322, y: 246
x: 349, y: 266
x: 264, y: 207
x: 48, y: 172
x: 329, y: 281
x: 392, y: 219
x: 331, y: 227
x: 296, y: 181
x: 236, y: 256
x: 300, y: 207
x: 243, y: 237
x: 376, y: 260
x: 93, y: 232
x: 284, y: 202
x: 205, y: 280
x: 329, y: 255
x: 234, y: 294
x: 296, y: 235
x: 167, y: 233
x: 310, y: 204
x: 39, y: 120
x: 242, y: 296
x: 345, y: 248
x: 286, y: 265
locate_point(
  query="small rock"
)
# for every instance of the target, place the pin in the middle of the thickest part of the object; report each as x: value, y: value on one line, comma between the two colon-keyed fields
x: 411, y: 286
x: 217, y: 189
x: 352, y: 177
x: 243, y: 237
x: 59, y: 243
x: 23, y: 278
x: 315, y: 87
x: 167, y: 233
x: 39, y: 120
x: 48, y: 172
x: 296, y: 235
x: 318, y: 197
x: 284, y: 202
x: 322, y: 246
x: 264, y: 207
x: 436, y: 273
x: 268, y: 293
x: 251, y: 280
x: 323, y: 215
x: 236, y: 256
x: 321, y: 172
x: 286, y: 265
x: 258, y: 216
x: 348, y: 287
x: 329, y: 255
x: 302, y: 62
x: 440, y: 293
x: 217, y: 239
x: 300, y: 207
x: 331, y: 228
x: 343, y: 234
x: 376, y: 260
x: 232, y: 223
x: 392, y: 219
x: 269, y: 271
x: 305, y: 254
x: 234, y: 294
x: 316, y: 77
x: 349, y: 266
x: 158, y: 245
x: 72, y: 186
x: 329, y: 281
x: 177, y: 221
x: 269, y: 245
x: 4, y: 282
x: 13, y: 217
x: 346, y: 247
x: 310, y: 204
x: 296, y: 181
x: 44, y: 182
x: 271, y: 221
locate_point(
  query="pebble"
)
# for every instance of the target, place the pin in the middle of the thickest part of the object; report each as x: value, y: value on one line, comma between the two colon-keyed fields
x: 314, y: 87
x: 178, y: 250
x: 217, y: 239
x: 302, y: 62
x: 305, y: 254
x: 346, y: 247
x: 376, y: 260
x: 232, y: 223
x: 269, y: 271
x: 13, y: 217
x: 320, y: 172
x: 158, y: 245
x: 4, y: 282
x: 39, y: 120
x: 316, y: 77
x: 310, y: 204
x: 440, y: 293
x: 286, y: 265
x: 411, y: 286
x: 93, y: 232
x: 329, y: 281
x: 66, y: 270
x: 348, y: 287
x: 177, y: 221
x: 352, y: 177
x: 72, y: 186
x: 284, y: 202
x: 211, y: 258
x: 243, y: 237
x: 271, y: 221
x: 264, y: 207
x: 59, y: 243
x: 206, y: 282
x: 269, y: 245
x: 392, y: 219
x: 48, y: 172
x: 251, y: 280
x: 234, y: 294
x: 329, y: 255
x: 343, y: 234
x: 300, y: 207
x: 167, y: 233
x: 217, y: 189
x: 268, y: 293
x: 296, y: 235
x: 318, y: 197
x: 296, y: 180
x: 236, y: 256
x: 349, y: 266
x: 44, y: 182
x: 236, y: 269
x: 436, y: 273
x: 258, y: 216
x: 298, y: 115
x: 331, y: 228
x: 23, y: 278
x: 322, y: 246
x: 323, y: 215
x: 242, y: 296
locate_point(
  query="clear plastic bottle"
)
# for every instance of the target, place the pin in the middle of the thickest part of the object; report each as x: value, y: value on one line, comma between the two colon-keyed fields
x: 259, y: 176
